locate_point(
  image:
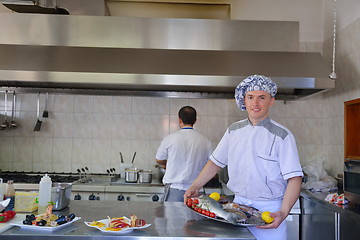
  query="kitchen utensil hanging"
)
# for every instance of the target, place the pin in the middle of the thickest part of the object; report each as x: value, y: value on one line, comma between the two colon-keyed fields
x: 38, y: 122
x: 132, y: 161
x: 121, y: 158
x: 46, y: 113
x: 5, y: 124
x: 13, y: 124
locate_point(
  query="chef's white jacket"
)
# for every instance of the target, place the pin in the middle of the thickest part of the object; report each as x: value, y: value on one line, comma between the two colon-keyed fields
x: 259, y: 158
x: 186, y: 152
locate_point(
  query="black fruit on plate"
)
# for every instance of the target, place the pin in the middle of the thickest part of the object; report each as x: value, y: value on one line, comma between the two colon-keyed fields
x: 71, y: 216
x: 61, y: 220
x: 42, y: 223
x: 30, y: 217
x: 27, y: 222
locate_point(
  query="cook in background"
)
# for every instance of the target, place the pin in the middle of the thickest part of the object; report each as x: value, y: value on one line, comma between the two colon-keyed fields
x: 262, y: 158
x: 183, y: 154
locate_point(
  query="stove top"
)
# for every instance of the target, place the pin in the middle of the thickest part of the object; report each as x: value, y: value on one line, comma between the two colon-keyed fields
x: 34, y: 177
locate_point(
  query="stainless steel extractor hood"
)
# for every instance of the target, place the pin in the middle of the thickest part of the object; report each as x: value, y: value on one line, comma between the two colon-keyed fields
x: 157, y: 57
x: 65, y: 7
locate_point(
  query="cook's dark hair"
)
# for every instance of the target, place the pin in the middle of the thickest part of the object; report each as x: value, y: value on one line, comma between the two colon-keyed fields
x: 187, y: 114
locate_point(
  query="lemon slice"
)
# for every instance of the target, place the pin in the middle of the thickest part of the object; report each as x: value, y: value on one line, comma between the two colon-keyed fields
x: 215, y: 196
x: 266, y: 217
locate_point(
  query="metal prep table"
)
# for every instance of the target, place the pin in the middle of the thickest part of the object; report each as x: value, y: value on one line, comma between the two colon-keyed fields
x: 168, y: 220
x: 323, y: 220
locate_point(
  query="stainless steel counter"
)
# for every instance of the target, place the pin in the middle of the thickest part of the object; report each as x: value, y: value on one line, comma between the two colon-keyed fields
x: 351, y: 208
x: 323, y: 220
x: 168, y: 221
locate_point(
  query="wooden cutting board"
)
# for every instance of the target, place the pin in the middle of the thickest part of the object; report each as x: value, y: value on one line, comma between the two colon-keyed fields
x: 5, y: 226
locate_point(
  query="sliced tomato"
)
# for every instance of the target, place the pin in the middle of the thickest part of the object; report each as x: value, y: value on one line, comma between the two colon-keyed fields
x: 196, y: 201
x: 118, y: 223
x: 212, y: 215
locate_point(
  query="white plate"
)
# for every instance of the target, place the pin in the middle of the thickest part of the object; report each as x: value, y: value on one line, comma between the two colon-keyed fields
x: 124, y: 230
x: 43, y: 228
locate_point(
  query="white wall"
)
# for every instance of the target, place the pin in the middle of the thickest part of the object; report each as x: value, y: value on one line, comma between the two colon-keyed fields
x: 347, y: 11
x: 307, y: 12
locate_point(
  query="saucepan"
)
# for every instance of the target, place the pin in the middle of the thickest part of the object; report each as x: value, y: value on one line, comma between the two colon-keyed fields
x: 131, y: 175
x: 145, y: 176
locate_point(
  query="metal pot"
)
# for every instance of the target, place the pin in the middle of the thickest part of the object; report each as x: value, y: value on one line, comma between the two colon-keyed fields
x: 145, y: 176
x: 60, y: 195
x: 131, y: 175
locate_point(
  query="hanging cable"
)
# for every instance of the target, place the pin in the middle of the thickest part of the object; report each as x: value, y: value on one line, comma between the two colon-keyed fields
x: 333, y: 74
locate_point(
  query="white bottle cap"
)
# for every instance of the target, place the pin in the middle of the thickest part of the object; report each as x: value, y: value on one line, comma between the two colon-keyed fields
x: 45, y: 178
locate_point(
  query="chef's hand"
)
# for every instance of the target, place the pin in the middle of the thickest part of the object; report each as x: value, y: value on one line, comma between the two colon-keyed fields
x: 191, y: 192
x: 278, y: 218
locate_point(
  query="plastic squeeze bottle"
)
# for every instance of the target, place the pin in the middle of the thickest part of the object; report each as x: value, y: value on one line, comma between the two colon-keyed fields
x: 44, y: 193
x: 10, y: 193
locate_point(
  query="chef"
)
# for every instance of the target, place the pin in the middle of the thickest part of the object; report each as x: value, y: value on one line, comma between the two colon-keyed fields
x: 262, y: 158
x: 183, y: 153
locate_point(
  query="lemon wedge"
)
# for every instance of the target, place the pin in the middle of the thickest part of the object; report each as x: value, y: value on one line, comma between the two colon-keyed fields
x: 215, y: 196
x: 266, y: 217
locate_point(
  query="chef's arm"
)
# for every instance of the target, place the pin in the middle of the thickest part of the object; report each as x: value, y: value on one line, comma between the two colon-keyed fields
x: 162, y: 163
x: 291, y: 195
x: 207, y: 173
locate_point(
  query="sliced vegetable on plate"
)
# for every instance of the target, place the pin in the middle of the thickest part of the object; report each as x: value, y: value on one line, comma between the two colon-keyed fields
x: 46, y: 221
x: 118, y: 224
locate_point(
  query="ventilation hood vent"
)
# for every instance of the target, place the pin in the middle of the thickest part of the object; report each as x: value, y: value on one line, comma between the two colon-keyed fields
x: 154, y: 57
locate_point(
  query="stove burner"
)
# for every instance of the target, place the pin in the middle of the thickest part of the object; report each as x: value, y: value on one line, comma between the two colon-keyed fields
x: 32, y: 177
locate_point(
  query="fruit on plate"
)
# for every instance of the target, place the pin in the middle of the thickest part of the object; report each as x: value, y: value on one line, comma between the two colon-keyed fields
x: 215, y: 196
x: 136, y: 222
x: 48, y: 219
x: 266, y: 217
x: 119, y: 223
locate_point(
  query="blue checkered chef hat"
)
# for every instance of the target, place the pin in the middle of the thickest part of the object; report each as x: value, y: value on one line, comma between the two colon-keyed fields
x: 254, y: 83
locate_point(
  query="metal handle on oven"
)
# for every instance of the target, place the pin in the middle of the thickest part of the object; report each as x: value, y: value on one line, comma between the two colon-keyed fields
x: 142, y: 194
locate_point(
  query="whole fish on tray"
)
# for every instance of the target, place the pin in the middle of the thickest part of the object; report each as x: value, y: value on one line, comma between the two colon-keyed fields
x: 253, y: 215
x: 211, y: 205
x: 230, y: 212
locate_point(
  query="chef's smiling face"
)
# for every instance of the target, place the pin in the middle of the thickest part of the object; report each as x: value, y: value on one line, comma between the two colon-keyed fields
x: 257, y: 105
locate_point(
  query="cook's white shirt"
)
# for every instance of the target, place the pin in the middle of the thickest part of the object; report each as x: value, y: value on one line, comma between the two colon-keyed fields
x: 186, y: 152
x: 259, y: 158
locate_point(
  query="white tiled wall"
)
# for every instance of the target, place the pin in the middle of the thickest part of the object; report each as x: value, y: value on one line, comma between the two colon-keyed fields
x: 91, y: 130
